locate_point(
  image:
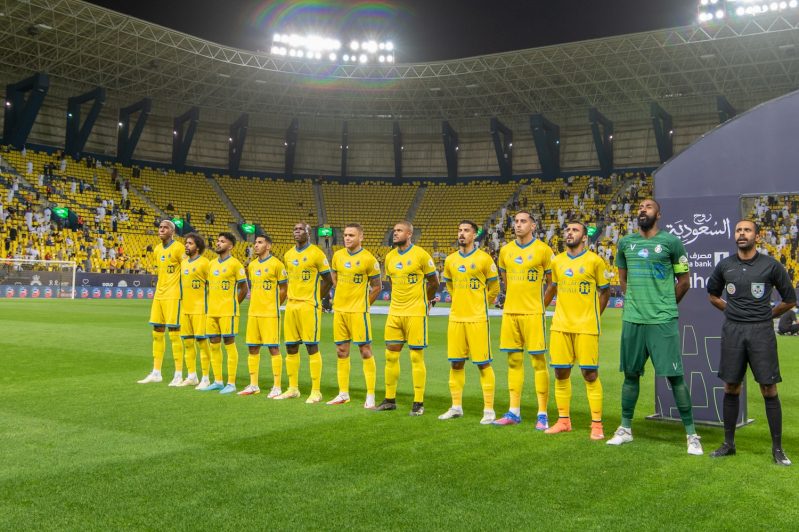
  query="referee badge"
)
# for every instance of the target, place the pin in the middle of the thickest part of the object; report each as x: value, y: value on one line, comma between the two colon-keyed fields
x: 758, y: 289
x: 731, y: 289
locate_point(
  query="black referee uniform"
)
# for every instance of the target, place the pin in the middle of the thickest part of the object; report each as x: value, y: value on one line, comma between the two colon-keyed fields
x: 747, y: 338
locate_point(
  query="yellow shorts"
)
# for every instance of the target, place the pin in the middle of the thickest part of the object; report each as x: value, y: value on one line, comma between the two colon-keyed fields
x: 565, y: 348
x: 165, y: 312
x: 192, y: 326
x: 225, y: 326
x: 410, y: 329
x: 353, y: 327
x: 469, y: 341
x: 302, y: 324
x: 263, y: 331
x: 523, y: 332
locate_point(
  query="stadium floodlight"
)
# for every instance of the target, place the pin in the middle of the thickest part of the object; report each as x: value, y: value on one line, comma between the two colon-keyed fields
x: 390, y: 46
x: 318, y: 47
x: 362, y: 58
x: 332, y: 56
x: 382, y: 59
x: 354, y: 45
x: 390, y: 59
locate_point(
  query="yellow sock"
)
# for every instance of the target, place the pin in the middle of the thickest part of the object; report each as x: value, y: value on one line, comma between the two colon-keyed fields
x: 488, y: 383
x: 516, y: 380
x: 541, y: 372
x: 594, y: 392
x: 343, y: 372
x: 177, y: 349
x: 190, y: 355
x: 457, y: 380
x: 315, y: 362
x: 563, y: 396
x: 277, y: 370
x: 253, y: 363
x: 232, y: 362
x: 158, y: 350
x: 419, y: 374
x: 293, y: 370
x: 216, y: 360
x: 370, y: 374
x: 205, y: 358
x: 392, y: 373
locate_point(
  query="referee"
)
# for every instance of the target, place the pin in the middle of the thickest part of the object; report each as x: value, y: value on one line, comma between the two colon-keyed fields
x: 747, y: 336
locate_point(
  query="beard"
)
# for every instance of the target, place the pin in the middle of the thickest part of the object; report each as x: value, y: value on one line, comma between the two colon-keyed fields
x: 646, y: 222
x: 745, y: 245
x: 400, y: 243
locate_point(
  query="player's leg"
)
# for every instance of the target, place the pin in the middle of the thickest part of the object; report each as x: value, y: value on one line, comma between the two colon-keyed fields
x: 587, y: 356
x: 277, y: 371
x: 231, y: 324
x: 362, y: 336
x: 510, y: 342
x: 311, y: 326
x: 535, y: 339
x: 342, y: 336
x: 172, y: 314
x: 732, y: 370
x: 457, y: 354
x: 205, y: 360
x: 478, y: 340
x: 395, y: 338
x: 416, y: 333
x: 765, y: 366
x: 633, y: 355
x: 158, y: 321
x: 292, y: 334
x: 254, y: 340
x: 212, y: 329
x: 562, y: 353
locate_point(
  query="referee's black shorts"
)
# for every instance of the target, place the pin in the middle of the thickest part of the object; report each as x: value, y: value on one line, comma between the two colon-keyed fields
x: 754, y: 344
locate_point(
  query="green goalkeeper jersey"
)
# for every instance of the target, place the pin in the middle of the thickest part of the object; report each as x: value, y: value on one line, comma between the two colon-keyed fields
x: 651, y: 265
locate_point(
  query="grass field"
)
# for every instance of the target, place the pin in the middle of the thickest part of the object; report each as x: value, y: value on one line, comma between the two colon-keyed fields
x: 85, y: 447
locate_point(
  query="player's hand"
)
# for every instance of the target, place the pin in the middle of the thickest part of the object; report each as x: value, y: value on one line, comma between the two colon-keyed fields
x: 327, y: 304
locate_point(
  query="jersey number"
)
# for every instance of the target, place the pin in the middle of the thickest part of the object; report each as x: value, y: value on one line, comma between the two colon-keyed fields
x: 306, y: 275
x: 474, y: 284
x: 225, y: 285
x: 585, y: 288
x: 170, y: 268
x: 196, y: 284
x: 357, y: 278
x: 413, y: 278
x: 532, y: 275
x: 267, y: 285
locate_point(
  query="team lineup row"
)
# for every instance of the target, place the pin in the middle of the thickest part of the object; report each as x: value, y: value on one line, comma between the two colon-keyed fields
x: 198, y: 302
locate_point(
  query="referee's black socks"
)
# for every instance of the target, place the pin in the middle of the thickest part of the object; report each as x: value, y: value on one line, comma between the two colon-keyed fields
x: 774, y: 416
x: 731, y: 408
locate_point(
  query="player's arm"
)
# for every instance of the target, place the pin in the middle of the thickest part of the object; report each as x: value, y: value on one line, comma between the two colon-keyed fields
x: 623, y: 280
x: 682, y: 286
x: 242, y: 289
x: 551, y: 292
x: 492, y: 286
x: 327, y: 284
x: 282, y: 291
x: 375, y: 286
x: 432, y: 286
x: 604, y: 297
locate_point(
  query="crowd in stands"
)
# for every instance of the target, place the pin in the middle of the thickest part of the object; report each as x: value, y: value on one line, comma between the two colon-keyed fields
x: 779, y: 229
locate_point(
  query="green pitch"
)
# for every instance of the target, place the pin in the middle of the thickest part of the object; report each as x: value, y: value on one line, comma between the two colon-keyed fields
x: 85, y: 447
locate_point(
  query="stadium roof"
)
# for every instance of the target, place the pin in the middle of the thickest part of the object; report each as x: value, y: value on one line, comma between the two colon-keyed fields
x: 81, y: 45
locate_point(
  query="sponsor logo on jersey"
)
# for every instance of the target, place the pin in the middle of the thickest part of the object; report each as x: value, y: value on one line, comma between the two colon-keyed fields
x: 295, y: 262
x: 644, y: 253
x: 186, y: 271
x: 518, y: 260
x: 758, y: 290
x: 163, y: 258
x: 216, y: 272
x: 348, y: 264
x: 462, y: 268
x: 257, y: 273
x: 399, y: 265
x: 568, y: 272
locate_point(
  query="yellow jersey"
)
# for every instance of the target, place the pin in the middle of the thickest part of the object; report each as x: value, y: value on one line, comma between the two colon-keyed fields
x: 467, y: 277
x: 578, y: 280
x: 224, y: 277
x: 407, y: 271
x: 194, y: 278
x: 265, y: 277
x: 353, y: 273
x: 305, y: 268
x: 524, y: 267
x: 168, y: 259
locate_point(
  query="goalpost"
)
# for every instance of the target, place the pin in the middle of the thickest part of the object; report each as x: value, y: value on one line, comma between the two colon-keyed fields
x: 34, y: 274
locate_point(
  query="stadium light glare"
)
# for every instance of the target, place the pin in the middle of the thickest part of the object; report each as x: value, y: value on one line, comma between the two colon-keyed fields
x: 382, y: 59
x: 390, y: 46
x: 332, y: 56
x: 346, y: 57
x: 720, y: 14
x: 793, y: 3
x: 390, y: 59
x: 362, y: 58
x: 354, y: 45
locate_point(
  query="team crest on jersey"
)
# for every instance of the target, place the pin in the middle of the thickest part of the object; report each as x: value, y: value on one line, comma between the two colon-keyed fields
x: 644, y: 253
x: 568, y: 272
x: 348, y: 264
x: 758, y: 289
x: 305, y: 259
x: 295, y: 262
x: 409, y: 262
x: 224, y: 270
x: 731, y: 289
x: 357, y: 263
x: 462, y: 268
x: 658, y: 248
x: 474, y: 266
x: 518, y: 260
x: 582, y: 270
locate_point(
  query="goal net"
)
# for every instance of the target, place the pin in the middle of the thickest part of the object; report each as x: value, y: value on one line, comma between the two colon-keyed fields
x: 37, y: 278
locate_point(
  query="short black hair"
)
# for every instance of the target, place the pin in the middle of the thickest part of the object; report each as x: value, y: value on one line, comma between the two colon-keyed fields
x: 757, y: 227
x: 264, y: 236
x: 469, y: 222
x: 198, y: 241
x: 578, y: 222
x: 228, y: 236
x: 653, y: 200
x: 527, y: 212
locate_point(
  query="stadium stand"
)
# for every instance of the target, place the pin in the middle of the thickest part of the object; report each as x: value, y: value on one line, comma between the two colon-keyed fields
x: 778, y: 220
